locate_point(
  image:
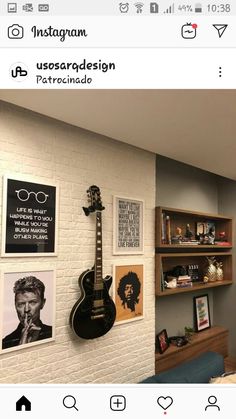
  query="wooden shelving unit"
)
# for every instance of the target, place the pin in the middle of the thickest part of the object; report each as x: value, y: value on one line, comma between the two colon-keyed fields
x: 170, y: 255
x: 213, y: 339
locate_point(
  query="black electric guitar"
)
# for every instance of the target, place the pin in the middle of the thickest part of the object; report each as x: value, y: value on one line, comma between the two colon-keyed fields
x: 94, y: 313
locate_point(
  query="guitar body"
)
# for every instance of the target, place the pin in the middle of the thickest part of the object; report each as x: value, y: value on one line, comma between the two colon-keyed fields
x: 87, y: 321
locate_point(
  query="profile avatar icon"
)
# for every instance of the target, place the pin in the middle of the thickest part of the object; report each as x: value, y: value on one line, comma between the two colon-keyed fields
x: 212, y: 400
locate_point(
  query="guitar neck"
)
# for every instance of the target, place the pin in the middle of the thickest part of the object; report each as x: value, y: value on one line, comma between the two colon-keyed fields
x: 98, y: 282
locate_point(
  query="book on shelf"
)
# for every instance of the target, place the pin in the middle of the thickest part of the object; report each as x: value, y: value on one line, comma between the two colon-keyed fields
x: 183, y: 278
x: 168, y: 234
x: 185, y: 284
x: 162, y: 280
x: 163, y: 228
x: 190, y: 243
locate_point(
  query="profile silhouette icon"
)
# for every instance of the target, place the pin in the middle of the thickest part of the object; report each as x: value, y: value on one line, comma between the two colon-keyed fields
x: 212, y: 400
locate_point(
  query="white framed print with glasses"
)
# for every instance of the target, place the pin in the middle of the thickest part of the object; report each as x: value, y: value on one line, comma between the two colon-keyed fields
x: 29, y: 217
x: 128, y: 222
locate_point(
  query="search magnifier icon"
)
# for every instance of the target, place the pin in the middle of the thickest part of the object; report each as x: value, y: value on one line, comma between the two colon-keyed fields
x: 70, y: 402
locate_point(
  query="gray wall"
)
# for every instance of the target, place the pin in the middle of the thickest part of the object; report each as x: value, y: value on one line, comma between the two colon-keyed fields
x: 225, y: 297
x: 182, y: 186
x: 185, y: 187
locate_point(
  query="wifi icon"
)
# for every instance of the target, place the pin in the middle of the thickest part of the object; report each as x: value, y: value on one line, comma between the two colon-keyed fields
x: 139, y: 7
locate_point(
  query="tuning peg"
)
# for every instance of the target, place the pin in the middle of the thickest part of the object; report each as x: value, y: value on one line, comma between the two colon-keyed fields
x: 86, y: 211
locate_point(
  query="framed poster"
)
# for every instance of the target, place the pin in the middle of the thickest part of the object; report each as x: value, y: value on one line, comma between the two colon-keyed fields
x: 29, y: 218
x: 201, y: 312
x: 128, y: 226
x: 162, y: 341
x: 27, y: 309
x: 128, y: 292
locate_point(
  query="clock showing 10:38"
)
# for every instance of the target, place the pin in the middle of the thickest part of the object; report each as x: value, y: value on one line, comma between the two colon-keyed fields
x: 219, y: 8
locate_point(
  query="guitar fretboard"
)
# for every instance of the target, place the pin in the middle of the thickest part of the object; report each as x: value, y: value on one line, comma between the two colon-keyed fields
x: 98, y: 282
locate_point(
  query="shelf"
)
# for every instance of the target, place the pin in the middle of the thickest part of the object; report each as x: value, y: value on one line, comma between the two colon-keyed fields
x: 199, y: 246
x: 194, y: 213
x: 180, y: 218
x: 194, y: 288
x: 166, y: 261
x: 213, y: 339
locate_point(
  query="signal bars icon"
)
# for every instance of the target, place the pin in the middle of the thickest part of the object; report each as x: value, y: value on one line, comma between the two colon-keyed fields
x: 139, y: 7
x: 170, y: 9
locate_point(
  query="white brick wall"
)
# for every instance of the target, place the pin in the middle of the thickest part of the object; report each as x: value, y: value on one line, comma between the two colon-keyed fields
x: 31, y: 144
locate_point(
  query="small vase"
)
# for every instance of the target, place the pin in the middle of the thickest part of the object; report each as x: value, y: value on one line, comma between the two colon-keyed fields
x: 210, y: 272
x: 219, y: 271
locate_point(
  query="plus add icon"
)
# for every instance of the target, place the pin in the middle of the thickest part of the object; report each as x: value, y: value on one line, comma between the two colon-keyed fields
x: 118, y: 402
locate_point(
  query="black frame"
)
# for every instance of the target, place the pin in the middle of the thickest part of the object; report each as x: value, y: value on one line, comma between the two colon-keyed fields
x: 159, y: 346
x: 196, y: 317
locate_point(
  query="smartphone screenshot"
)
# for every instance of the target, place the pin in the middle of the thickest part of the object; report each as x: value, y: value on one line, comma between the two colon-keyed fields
x: 118, y: 202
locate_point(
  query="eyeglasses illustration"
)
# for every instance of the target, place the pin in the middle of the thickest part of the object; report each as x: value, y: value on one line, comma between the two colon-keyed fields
x: 23, y: 195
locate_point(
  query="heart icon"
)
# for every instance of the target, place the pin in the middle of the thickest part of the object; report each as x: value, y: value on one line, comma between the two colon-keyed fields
x: 165, y: 402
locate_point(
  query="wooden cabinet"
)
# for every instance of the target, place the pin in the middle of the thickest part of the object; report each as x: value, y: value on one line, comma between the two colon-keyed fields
x: 186, y: 254
x: 214, y: 339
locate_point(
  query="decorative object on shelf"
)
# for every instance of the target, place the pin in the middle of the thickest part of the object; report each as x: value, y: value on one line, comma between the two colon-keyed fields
x: 178, y: 237
x: 27, y: 309
x: 219, y: 271
x: 128, y: 292
x: 193, y: 272
x: 222, y: 236
x: 200, y: 229
x: 178, y: 340
x: 222, y: 239
x: 205, y: 232
x: 201, y: 312
x: 211, y: 232
x: 210, y: 271
x: 93, y: 315
x: 189, y: 233
x: 178, y: 278
x: 171, y: 282
x: 128, y: 226
x: 162, y: 341
x: 188, y: 332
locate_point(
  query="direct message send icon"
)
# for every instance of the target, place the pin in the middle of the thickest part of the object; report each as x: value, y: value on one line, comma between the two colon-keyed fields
x: 221, y: 28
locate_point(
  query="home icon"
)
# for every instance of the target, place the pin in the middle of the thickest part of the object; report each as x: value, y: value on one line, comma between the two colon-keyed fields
x: 23, y: 404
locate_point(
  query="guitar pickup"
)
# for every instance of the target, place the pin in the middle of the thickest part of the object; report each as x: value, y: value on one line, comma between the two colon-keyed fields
x: 98, y: 303
x: 97, y: 316
x: 96, y: 310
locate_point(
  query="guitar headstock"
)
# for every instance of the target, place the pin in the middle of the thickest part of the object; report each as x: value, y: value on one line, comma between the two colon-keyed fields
x: 94, y: 198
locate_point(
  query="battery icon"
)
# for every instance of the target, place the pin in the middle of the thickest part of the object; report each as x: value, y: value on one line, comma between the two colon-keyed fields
x: 198, y: 8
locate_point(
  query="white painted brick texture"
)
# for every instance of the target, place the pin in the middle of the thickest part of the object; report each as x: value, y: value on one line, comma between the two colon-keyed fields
x: 33, y: 145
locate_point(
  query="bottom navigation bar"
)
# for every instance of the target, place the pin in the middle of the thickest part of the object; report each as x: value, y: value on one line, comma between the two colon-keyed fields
x: 195, y: 401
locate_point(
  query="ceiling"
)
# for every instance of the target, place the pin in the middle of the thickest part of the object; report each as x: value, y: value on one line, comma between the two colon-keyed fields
x: 197, y: 127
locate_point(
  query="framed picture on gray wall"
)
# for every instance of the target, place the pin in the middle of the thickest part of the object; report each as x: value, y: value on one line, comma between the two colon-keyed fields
x: 29, y: 217
x: 128, y: 224
x: 201, y: 312
x: 27, y: 309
